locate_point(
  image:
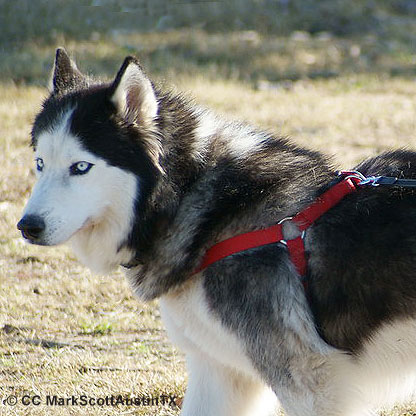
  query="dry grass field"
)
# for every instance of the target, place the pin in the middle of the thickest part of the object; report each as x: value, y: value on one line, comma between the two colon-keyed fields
x: 65, y: 331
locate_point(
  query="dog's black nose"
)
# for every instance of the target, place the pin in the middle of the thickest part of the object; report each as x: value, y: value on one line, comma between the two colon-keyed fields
x: 31, y: 226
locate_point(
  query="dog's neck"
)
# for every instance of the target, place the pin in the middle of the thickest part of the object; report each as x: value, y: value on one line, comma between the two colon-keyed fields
x: 219, y: 181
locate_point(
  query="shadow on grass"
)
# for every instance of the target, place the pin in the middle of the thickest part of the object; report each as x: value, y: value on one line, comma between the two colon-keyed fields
x: 210, y: 38
x: 240, y: 55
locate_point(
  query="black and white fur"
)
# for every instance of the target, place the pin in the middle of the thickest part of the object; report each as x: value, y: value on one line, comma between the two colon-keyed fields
x: 130, y: 174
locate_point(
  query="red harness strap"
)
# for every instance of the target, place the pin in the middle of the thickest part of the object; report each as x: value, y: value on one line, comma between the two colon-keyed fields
x: 274, y: 234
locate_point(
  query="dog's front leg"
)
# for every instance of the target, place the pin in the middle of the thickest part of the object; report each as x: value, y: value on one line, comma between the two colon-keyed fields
x: 216, y: 390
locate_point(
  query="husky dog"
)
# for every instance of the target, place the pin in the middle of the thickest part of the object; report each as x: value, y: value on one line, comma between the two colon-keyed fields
x: 131, y: 175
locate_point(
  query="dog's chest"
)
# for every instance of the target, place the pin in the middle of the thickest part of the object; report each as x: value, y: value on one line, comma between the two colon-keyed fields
x: 196, y: 330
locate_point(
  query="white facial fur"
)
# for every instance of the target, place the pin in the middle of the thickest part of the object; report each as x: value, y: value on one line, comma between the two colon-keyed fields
x: 93, y: 211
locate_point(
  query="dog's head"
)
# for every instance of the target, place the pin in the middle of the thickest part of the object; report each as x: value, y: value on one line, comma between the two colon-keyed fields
x: 96, y: 156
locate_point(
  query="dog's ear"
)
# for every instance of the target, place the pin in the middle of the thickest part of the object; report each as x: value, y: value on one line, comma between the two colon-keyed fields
x: 132, y: 93
x: 65, y: 75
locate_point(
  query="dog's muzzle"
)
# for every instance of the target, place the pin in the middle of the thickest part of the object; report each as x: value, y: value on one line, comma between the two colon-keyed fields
x: 32, y: 227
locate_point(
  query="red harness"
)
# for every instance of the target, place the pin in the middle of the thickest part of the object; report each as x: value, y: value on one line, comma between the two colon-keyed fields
x: 275, y: 234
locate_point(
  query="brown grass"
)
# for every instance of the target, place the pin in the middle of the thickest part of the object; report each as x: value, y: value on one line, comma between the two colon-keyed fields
x: 66, y: 331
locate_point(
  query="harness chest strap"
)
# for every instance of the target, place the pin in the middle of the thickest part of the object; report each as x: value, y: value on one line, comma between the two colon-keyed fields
x: 275, y: 234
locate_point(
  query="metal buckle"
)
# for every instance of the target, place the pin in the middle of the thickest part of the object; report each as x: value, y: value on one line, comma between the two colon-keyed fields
x: 302, y: 234
x: 370, y: 180
x: 352, y: 174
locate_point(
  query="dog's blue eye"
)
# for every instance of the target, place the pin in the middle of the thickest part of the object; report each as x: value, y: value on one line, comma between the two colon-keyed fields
x: 80, y: 168
x: 39, y: 164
